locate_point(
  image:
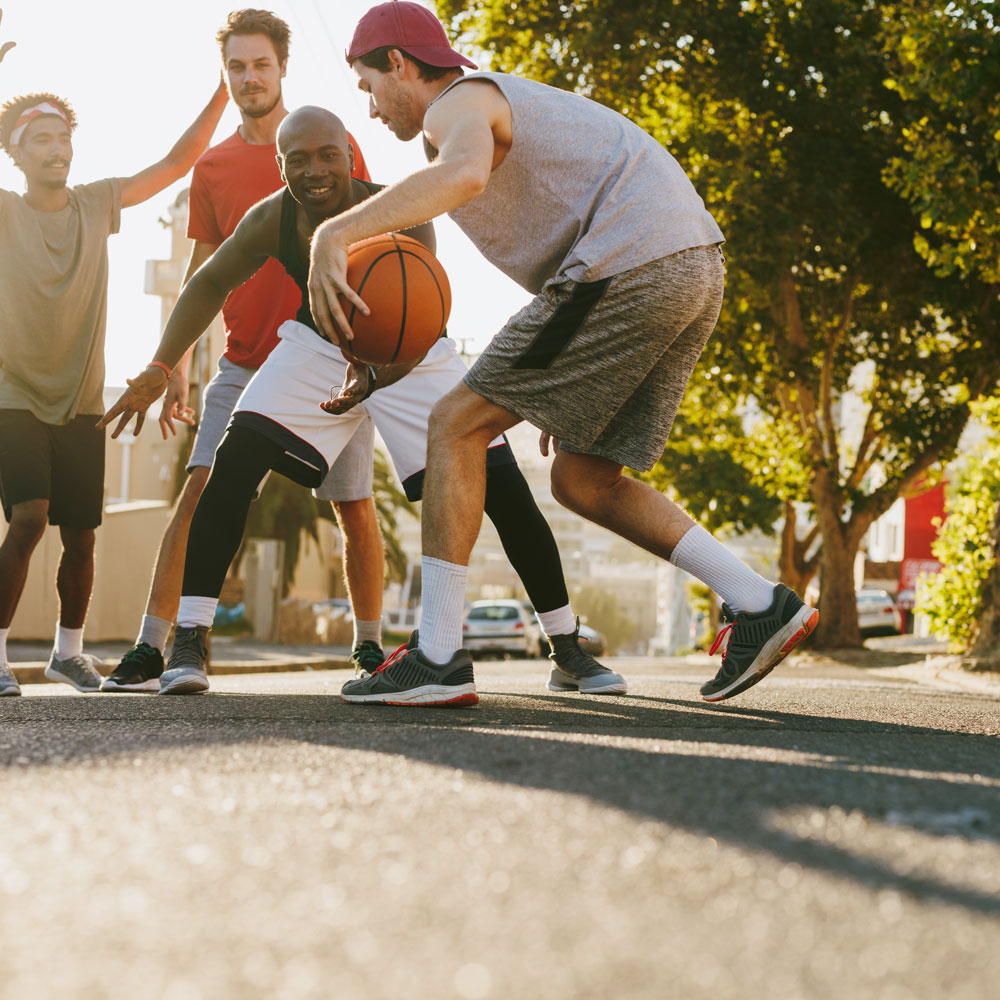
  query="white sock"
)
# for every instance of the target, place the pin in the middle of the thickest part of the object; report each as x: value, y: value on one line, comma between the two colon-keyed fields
x: 562, y: 621
x: 196, y: 611
x: 3, y: 644
x: 69, y: 642
x: 154, y: 631
x: 443, y: 602
x: 368, y: 631
x: 736, y: 583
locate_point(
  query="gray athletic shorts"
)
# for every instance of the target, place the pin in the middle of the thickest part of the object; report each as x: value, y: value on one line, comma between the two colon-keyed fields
x: 350, y: 476
x: 602, y: 365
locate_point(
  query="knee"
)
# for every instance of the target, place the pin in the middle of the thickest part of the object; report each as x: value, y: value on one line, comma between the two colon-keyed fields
x: 78, y: 546
x: 582, y: 483
x: 463, y: 414
x: 27, y: 524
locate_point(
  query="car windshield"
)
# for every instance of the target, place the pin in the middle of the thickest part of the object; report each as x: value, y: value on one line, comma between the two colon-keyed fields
x: 492, y: 613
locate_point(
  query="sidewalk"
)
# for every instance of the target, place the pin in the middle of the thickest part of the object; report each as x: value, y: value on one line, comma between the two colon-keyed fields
x: 228, y: 656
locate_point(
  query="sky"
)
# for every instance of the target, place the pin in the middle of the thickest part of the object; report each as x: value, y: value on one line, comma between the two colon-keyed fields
x: 138, y: 74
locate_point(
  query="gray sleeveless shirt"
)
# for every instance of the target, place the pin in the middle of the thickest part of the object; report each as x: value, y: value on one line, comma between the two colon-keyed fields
x: 582, y: 192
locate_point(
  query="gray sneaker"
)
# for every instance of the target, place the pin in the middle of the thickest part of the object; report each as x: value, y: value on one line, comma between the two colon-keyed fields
x: 185, y: 673
x: 77, y: 671
x: 576, y: 670
x: 8, y: 682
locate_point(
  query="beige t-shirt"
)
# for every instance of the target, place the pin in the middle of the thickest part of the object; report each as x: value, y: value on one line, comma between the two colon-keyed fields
x: 53, y: 301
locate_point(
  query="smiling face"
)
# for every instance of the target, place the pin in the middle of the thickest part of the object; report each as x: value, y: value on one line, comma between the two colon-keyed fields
x: 254, y: 74
x: 315, y: 160
x: 44, y: 152
x: 392, y: 96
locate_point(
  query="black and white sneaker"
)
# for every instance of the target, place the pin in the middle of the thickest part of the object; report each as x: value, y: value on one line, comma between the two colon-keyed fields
x: 139, y: 670
x: 758, y: 642
x: 408, y: 678
x: 575, y: 669
x: 366, y: 656
x: 186, y: 673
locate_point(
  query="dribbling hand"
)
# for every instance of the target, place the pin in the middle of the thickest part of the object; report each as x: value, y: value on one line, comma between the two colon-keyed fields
x: 143, y: 390
x: 328, y: 280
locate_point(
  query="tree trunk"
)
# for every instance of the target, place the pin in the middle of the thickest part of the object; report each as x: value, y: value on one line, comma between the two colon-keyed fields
x: 985, y: 648
x: 795, y: 568
x: 838, y: 607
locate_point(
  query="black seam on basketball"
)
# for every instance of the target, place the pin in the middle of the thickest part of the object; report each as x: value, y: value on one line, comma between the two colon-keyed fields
x: 437, y: 285
x: 402, y: 319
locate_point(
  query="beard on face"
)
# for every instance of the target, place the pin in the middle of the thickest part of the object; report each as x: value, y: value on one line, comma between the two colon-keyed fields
x: 252, y: 112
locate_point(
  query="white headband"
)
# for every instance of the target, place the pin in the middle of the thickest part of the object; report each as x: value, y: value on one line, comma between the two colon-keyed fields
x: 30, y: 114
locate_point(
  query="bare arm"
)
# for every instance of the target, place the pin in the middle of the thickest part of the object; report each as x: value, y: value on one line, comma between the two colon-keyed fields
x: 175, y: 399
x: 237, y: 259
x: 460, y: 126
x: 180, y: 159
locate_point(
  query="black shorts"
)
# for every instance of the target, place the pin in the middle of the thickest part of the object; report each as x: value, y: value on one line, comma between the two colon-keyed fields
x: 63, y: 464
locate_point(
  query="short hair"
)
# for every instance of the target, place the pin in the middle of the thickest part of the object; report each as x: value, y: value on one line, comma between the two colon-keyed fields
x: 252, y: 21
x: 16, y: 106
x: 379, y: 59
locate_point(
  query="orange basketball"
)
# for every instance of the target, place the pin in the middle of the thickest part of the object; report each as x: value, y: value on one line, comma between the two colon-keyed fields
x: 407, y: 291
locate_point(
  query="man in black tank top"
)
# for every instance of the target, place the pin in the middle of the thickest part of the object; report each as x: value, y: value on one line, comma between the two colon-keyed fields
x: 274, y: 426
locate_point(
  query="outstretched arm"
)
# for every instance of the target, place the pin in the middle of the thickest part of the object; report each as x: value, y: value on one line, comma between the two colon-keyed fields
x: 239, y: 257
x: 180, y: 159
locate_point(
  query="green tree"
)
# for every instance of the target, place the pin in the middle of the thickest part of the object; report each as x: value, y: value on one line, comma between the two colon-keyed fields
x: 287, y: 511
x: 950, y: 68
x: 966, y: 544
x: 779, y: 112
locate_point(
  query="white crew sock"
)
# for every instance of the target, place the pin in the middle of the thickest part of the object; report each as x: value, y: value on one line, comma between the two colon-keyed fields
x: 154, y: 631
x: 443, y: 602
x: 562, y: 621
x: 3, y: 644
x: 711, y: 562
x: 69, y: 642
x: 196, y: 611
x: 368, y: 631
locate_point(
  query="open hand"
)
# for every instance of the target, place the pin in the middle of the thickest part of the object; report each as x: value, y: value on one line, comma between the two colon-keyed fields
x: 358, y: 386
x: 327, y: 281
x: 143, y: 390
x: 543, y: 443
x: 175, y: 405
x: 7, y: 46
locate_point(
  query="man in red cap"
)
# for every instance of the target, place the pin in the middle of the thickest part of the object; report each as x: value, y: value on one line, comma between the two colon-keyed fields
x: 627, y: 272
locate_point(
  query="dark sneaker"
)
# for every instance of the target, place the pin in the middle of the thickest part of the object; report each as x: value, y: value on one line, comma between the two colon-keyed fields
x: 409, y: 678
x: 9, y: 688
x: 139, y: 670
x: 758, y: 642
x: 576, y: 670
x: 185, y: 673
x: 77, y: 671
x: 366, y: 656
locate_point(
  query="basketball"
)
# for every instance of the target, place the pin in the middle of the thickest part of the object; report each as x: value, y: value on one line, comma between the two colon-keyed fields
x: 407, y: 291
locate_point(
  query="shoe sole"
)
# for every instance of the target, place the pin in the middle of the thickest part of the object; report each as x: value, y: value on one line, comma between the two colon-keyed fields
x: 54, y: 675
x: 428, y: 696
x: 10, y: 692
x: 617, y: 686
x: 111, y: 687
x: 779, y: 646
x: 186, y: 685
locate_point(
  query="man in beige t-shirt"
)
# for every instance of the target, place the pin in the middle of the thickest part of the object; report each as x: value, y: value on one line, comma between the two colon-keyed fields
x: 53, y: 285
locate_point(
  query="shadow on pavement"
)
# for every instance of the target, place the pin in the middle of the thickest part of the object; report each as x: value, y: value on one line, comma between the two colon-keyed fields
x: 694, y: 768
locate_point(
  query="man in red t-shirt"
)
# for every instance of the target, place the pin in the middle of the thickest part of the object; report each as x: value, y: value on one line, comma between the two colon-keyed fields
x: 229, y: 179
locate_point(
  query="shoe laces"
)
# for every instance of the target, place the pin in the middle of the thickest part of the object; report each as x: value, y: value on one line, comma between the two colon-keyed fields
x: 140, y: 653
x: 393, y: 657
x: 723, y: 634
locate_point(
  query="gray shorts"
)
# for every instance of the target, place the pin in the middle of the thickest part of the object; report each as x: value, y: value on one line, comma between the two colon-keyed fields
x: 602, y: 365
x: 350, y: 476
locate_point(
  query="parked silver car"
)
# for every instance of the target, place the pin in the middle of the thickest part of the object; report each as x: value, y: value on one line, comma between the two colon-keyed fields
x: 877, y: 613
x: 502, y: 627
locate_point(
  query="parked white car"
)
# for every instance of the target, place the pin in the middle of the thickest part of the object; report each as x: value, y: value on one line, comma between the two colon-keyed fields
x: 501, y: 627
x: 877, y: 613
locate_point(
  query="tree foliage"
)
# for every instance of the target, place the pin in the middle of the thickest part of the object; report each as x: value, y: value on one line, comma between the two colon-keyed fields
x: 858, y: 361
x: 965, y: 544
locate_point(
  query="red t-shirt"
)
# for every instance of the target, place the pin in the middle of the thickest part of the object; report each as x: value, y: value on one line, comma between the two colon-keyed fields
x: 228, y: 180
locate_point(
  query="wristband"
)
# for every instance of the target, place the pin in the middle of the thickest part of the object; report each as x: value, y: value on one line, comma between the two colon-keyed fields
x: 372, y: 378
x: 160, y: 364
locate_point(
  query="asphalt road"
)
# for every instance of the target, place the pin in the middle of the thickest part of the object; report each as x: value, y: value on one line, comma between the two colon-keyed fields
x: 833, y: 833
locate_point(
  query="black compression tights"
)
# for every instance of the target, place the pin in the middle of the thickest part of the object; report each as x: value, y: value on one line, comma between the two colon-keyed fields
x: 526, y: 537
x: 245, y: 457
x: 241, y: 462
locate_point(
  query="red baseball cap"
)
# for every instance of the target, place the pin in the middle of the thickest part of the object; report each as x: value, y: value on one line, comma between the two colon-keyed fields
x: 409, y: 27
